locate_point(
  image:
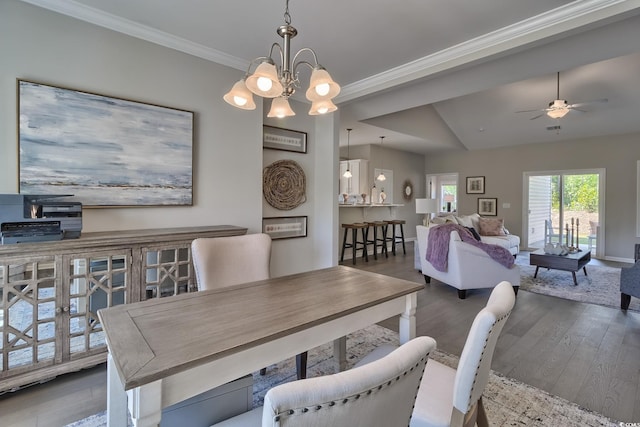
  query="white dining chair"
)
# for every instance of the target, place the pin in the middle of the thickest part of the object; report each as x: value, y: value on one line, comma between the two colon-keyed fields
x: 233, y: 260
x: 453, y: 397
x: 381, y: 393
x: 226, y: 261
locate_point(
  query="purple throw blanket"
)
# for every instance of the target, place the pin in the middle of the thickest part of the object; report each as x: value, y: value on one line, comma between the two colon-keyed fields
x: 438, y: 246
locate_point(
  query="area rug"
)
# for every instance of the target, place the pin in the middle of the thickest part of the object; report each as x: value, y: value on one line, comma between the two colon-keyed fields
x: 508, y: 402
x: 600, y: 286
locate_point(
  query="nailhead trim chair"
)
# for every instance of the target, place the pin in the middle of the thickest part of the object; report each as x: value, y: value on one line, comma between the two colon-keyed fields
x: 453, y: 397
x: 382, y: 393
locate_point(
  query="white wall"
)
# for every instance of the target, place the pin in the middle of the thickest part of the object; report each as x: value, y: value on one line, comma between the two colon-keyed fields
x: 43, y: 46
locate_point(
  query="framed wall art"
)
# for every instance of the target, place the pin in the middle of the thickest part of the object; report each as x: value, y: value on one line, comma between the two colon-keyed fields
x: 105, y: 151
x: 475, y: 185
x: 284, y: 139
x: 285, y: 227
x: 488, y: 207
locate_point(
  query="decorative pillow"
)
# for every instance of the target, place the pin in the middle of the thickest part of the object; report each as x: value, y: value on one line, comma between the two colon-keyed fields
x: 438, y: 220
x: 474, y: 232
x: 465, y: 221
x: 491, y: 227
x: 469, y: 220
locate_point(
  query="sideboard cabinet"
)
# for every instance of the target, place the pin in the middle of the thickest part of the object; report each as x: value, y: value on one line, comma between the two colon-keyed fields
x: 50, y: 293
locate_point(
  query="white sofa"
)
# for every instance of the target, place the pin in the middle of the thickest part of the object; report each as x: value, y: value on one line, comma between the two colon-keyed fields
x: 469, y: 267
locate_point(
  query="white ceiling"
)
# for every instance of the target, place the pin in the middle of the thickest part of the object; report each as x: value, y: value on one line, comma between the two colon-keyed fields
x: 428, y: 75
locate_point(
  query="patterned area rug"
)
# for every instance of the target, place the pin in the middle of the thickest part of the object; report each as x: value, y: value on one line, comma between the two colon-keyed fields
x: 508, y: 402
x: 600, y: 286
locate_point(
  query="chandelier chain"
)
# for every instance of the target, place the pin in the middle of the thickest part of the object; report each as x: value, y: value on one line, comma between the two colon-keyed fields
x: 287, y: 16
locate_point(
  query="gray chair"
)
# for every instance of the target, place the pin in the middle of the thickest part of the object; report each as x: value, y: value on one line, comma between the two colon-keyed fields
x: 382, y: 393
x: 630, y: 282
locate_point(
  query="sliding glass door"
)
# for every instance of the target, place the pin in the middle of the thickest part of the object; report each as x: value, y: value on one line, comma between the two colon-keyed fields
x: 565, y: 207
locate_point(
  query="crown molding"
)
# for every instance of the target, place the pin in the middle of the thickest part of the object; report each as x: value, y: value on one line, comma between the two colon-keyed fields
x: 135, y: 29
x: 579, y: 13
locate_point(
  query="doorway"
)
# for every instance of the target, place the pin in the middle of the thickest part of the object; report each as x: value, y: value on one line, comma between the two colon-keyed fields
x: 565, y: 207
x: 444, y: 188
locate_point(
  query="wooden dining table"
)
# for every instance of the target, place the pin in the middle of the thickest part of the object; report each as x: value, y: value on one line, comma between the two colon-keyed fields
x: 166, y: 350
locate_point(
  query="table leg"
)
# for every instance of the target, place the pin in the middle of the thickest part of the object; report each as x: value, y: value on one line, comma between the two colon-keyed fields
x: 575, y: 281
x: 407, y: 325
x: 116, y: 397
x: 146, y: 404
x: 340, y: 352
x: 536, y: 273
x: 585, y: 270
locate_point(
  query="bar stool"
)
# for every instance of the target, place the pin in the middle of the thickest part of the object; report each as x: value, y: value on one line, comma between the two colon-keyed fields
x: 397, y: 239
x: 383, y: 226
x: 355, y: 243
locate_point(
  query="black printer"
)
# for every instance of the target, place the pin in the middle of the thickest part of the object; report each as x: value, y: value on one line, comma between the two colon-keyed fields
x: 38, y: 218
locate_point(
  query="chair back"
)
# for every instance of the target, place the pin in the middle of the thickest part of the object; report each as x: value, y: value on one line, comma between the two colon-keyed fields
x: 225, y: 261
x: 474, y: 366
x: 380, y: 393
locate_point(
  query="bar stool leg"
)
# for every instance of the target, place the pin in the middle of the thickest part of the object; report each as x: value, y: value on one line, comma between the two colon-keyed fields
x: 385, y: 249
x: 365, y: 235
x: 354, y: 247
x: 375, y: 242
x: 393, y: 239
x: 404, y: 250
x: 344, y: 244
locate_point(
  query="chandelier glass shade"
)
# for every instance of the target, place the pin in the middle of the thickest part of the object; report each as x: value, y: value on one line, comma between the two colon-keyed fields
x: 269, y: 80
x: 347, y: 173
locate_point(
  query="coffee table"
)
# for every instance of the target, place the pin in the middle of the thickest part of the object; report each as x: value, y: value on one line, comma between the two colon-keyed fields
x: 570, y: 262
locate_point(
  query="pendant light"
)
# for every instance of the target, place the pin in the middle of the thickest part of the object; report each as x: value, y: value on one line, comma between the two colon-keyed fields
x: 381, y: 177
x: 347, y: 173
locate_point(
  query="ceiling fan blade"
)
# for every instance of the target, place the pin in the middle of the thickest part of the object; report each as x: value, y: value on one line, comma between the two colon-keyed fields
x: 572, y: 108
x: 535, y: 117
x: 595, y: 101
x: 531, y: 111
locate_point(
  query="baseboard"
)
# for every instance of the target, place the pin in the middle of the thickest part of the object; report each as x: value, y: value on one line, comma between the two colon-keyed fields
x: 618, y: 259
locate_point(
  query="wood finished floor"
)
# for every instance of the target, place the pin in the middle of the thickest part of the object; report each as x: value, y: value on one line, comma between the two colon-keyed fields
x: 585, y: 353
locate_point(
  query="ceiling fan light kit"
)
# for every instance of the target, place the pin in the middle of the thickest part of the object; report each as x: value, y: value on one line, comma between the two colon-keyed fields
x: 280, y: 82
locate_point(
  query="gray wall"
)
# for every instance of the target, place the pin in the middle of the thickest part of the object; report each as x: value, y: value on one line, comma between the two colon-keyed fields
x: 504, y: 169
x: 46, y: 47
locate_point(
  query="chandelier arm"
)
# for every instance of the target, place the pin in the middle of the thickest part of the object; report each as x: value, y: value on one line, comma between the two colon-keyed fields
x: 296, y: 64
x: 308, y: 49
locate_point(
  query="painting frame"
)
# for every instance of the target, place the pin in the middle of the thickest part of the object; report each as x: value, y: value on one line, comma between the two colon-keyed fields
x: 276, y: 138
x: 475, y: 185
x: 285, y: 227
x: 106, y: 151
x: 488, y: 206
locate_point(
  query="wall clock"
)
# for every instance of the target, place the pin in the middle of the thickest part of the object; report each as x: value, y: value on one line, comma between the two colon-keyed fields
x: 407, y: 190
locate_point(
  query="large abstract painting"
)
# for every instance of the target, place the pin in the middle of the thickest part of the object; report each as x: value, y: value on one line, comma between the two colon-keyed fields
x: 105, y: 151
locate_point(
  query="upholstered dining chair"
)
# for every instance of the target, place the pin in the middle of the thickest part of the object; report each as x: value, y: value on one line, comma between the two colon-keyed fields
x: 453, y: 397
x: 226, y: 261
x: 381, y: 393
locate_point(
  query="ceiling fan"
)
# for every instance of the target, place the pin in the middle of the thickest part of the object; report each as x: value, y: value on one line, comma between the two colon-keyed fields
x: 559, y: 108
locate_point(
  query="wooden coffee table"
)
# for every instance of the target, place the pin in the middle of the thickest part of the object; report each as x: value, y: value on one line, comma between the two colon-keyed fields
x: 571, y: 262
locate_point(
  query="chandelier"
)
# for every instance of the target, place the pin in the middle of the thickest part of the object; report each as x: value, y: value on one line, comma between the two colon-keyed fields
x: 280, y: 82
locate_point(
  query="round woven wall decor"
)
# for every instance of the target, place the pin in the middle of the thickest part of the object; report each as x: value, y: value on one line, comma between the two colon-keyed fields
x: 284, y: 185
